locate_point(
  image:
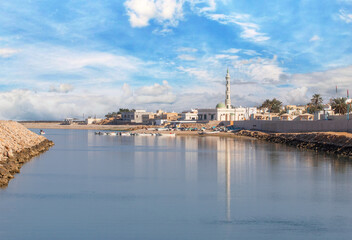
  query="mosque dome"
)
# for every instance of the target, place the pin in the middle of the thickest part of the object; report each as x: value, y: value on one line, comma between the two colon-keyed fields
x: 220, y: 105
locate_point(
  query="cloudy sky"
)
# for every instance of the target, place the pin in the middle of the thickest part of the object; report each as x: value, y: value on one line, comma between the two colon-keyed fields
x: 64, y: 58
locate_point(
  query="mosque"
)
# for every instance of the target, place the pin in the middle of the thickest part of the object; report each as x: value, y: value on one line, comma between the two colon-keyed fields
x: 223, y: 111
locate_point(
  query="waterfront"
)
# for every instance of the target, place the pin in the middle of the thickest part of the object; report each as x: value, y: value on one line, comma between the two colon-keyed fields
x: 94, y: 187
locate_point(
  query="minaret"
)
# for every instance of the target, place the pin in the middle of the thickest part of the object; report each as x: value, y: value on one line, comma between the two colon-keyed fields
x: 228, y: 91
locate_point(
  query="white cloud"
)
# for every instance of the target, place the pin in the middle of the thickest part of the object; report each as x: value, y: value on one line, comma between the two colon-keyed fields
x: 155, y: 89
x: 314, y: 38
x: 325, y: 82
x: 200, y: 74
x: 225, y: 56
x: 7, y: 52
x: 344, y: 16
x: 232, y: 50
x: 250, y: 30
x: 186, y: 57
x: 296, y: 96
x: 38, y: 66
x: 32, y: 105
x: 187, y: 49
x: 250, y: 52
x: 252, y: 34
x: 165, y: 12
x: 211, y: 6
x: 261, y: 70
x: 62, y: 88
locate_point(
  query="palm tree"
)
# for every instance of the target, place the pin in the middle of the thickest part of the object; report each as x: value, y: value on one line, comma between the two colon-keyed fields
x: 316, y: 103
x: 316, y: 99
x: 339, y: 105
x: 272, y: 105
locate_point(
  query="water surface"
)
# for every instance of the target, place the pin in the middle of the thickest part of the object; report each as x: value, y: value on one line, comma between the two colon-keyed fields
x: 111, y: 187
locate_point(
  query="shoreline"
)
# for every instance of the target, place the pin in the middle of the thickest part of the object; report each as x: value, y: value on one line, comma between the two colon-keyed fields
x: 18, y: 146
x: 339, y: 143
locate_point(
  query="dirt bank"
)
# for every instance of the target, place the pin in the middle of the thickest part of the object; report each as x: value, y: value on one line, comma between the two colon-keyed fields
x: 330, y: 142
x: 17, y: 146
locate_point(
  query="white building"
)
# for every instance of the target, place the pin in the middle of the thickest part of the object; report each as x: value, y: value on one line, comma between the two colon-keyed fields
x: 189, y: 115
x: 225, y: 112
x: 91, y: 120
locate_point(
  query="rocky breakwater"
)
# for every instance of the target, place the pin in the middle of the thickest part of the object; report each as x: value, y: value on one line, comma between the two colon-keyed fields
x: 330, y: 142
x: 17, y: 146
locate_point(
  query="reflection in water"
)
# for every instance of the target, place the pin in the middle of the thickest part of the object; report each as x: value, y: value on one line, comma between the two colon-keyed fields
x: 224, y: 171
x: 228, y: 181
x: 191, y: 159
x: 122, y: 187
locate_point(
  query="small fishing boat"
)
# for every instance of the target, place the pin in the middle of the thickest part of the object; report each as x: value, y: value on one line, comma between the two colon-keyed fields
x: 206, y: 133
x: 41, y: 132
x: 166, y: 134
x: 146, y: 134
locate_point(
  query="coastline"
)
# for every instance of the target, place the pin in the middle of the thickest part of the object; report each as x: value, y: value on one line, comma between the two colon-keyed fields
x: 18, y: 145
x: 339, y: 143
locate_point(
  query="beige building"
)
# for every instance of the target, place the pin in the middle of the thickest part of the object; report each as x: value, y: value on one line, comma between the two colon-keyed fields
x: 91, y: 120
x: 135, y: 116
x: 169, y: 116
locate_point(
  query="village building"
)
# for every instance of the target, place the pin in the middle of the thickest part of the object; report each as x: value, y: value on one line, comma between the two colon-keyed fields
x: 91, y: 120
x: 135, y: 116
x: 189, y: 115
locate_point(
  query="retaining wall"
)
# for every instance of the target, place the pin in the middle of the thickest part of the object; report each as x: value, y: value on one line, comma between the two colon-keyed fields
x: 297, y: 126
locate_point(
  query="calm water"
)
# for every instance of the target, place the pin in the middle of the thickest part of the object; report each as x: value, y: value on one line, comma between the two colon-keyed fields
x: 108, y: 187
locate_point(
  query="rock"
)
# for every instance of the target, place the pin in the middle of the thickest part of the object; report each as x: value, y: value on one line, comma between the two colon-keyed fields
x: 336, y: 143
x: 17, y: 146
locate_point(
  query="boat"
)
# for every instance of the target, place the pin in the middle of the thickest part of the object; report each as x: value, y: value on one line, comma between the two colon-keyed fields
x: 41, y: 132
x: 112, y: 133
x: 166, y: 134
x: 145, y: 134
x: 206, y: 133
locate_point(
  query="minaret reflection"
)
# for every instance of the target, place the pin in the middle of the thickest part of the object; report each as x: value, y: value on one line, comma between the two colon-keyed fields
x: 191, y: 158
x: 224, y: 171
x: 228, y: 181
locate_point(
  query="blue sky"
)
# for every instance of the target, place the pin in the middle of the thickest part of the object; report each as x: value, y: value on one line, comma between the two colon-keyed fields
x: 65, y: 58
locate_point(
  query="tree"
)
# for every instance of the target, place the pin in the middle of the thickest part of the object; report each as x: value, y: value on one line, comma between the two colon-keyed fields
x: 316, y: 103
x: 339, y: 105
x: 110, y: 115
x: 273, y: 105
x: 121, y: 110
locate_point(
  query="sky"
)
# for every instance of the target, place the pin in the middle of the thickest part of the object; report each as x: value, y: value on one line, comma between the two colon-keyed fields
x: 66, y: 58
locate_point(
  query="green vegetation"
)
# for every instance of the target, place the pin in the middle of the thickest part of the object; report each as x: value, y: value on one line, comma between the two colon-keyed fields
x: 111, y: 115
x: 339, y: 105
x: 121, y: 110
x: 273, y: 105
x: 316, y: 104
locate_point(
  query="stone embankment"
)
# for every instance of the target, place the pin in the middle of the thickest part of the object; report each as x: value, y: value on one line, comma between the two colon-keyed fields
x: 330, y: 142
x: 17, y: 146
